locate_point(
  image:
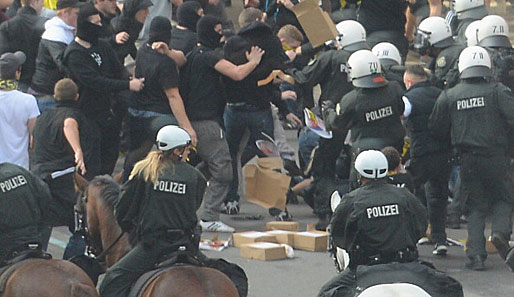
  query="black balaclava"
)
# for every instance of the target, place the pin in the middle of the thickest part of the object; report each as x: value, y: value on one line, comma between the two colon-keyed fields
x: 86, y: 30
x: 160, y: 30
x: 187, y: 15
x: 205, y: 32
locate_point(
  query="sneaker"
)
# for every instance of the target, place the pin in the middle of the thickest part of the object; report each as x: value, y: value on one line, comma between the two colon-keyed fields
x: 440, y: 249
x: 284, y: 216
x: 216, y: 226
x: 231, y: 208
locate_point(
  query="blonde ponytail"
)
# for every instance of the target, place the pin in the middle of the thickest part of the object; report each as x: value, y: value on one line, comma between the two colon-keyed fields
x: 152, y: 166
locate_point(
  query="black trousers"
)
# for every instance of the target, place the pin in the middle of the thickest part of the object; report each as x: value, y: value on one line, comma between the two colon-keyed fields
x: 432, y: 173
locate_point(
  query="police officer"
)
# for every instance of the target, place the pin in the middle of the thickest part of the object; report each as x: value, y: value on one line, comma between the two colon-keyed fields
x: 24, y: 200
x: 435, y: 39
x: 476, y: 115
x: 329, y: 69
x: 160, y: 200
x: 376, y: 224
x: 493, y: 35
x: 390, y: 61
x: 429, y: 157
x: 372, y: 111
x: 467, y: 11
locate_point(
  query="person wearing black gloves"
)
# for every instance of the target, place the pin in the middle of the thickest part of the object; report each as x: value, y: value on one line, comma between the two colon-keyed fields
x: 183, y: 36
x: 92, y: 64
x: 130, y: 20
x: 476, y: 116
x: 24, y: 200
x: 378, y: 223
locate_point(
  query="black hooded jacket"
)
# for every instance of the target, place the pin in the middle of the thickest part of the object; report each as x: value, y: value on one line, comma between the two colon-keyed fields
x: 185, y: 39
x: 126, y: 22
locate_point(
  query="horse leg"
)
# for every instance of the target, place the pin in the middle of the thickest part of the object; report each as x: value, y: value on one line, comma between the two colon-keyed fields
x: 81, y: 290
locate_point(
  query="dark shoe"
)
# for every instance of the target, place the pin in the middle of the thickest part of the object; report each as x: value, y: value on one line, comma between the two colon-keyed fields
x: 279, y: 214
x: 501, y: 243
x: 440, y: 249
x: 322, y: 223
x: 510, y: 259
x: 291, y: 197
x: 476, y: 263
x: 292, y: 168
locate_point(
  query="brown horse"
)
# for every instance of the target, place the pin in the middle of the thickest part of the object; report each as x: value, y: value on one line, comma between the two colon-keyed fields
x: 48, y: 278
x: 192, y: 281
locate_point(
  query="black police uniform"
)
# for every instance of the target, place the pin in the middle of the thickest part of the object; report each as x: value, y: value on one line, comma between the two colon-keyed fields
x: 444, y: 66
x: 24, y: 201
x: 429, y: 157
x: 502, y: 62
x: 164, y: 215
x: 476, y: 115
x: 373, y: 115
x: 376, y: 224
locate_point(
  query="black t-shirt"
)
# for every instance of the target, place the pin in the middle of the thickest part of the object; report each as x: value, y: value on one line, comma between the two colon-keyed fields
x: 402, y: 180
x: 183, y: 40
x: 200, y: 85
x: 382, y: 15
x: 160, y: 73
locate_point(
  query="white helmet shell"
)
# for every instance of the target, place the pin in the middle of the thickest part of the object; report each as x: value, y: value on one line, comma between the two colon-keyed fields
x: 474, y: 61
x: 371, y: 164
x: 352, y: 35
x: 387, y: 53
x: 472, y: 33
x: 494, y: 32
x: 365, y: 70
x: 170, y: 137
x: 435, y: 31
x: 470, y: 9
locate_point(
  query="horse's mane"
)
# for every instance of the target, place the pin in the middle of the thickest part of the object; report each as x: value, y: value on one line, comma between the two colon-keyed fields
x: 109, y: 189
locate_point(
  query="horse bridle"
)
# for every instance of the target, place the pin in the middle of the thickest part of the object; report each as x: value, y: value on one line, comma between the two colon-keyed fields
x: 81, y: 228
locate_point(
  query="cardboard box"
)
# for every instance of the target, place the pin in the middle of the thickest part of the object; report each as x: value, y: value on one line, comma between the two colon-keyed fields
x: 315, y: 22
x: 287, y: 226
x: 314, y: 241
x: 285, y: 237
x: 238, y: 239
x: 265, y: 251
x: 264, y: 186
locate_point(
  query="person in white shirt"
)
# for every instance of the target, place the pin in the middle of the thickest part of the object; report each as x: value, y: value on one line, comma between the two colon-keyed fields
x: 18, y: 112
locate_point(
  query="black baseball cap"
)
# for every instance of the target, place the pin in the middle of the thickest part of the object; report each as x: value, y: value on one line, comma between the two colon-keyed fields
x: 62, y: 4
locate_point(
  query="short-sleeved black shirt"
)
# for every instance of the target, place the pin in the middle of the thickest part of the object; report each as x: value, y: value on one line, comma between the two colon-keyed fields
x: 183, y: 40
x: 201, y: 89
x: 160, y: 73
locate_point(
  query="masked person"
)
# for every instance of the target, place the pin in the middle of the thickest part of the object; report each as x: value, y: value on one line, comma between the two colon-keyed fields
x: 435, y: 40
x: 24, y: 200
x: 183, y: 36
x: 476, y: 116
x: 92, y: 64
x: 378, y: 223
x: 204, y: 100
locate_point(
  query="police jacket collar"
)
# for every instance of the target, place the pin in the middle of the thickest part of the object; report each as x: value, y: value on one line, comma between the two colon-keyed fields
x: 421, y: 84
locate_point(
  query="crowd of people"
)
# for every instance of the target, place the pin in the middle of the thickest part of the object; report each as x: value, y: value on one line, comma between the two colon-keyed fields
x: 69, y: 104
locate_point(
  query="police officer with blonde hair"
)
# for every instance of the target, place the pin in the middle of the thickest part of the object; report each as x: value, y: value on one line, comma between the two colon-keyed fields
x: 476, y: 116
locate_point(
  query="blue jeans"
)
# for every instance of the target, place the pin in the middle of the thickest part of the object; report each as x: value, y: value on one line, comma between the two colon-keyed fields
x: 236, y: 123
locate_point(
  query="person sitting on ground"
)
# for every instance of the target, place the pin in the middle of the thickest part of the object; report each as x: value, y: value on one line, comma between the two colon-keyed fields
x: 396, y: 175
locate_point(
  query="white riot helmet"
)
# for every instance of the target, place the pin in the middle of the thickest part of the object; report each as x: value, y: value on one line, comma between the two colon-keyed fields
x: 472, y: 33
x: 433, y: 31
x: 371, y: 164
x: 387, y: 53
x: 352, y: 35
x: 474, y: 61
x: 365, y: 70
x: 170, y: 137
x: 470, y: 9
x: 494, y: 32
